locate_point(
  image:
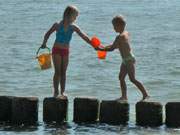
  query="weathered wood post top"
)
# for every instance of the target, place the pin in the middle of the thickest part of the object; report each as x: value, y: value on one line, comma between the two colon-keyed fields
x: 86, y: 109
x: 114, y: 112
x: 55, y: 110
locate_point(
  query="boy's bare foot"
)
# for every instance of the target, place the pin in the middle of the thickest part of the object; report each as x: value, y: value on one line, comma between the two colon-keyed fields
x: 145, y: 97
x: 122, y: 99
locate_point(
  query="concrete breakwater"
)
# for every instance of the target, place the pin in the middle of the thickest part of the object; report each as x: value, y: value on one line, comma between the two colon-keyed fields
x: 24, y: 110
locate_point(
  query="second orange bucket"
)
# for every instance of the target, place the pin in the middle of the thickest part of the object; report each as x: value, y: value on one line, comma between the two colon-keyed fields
x: 101, y: 54
x: 44, y: 59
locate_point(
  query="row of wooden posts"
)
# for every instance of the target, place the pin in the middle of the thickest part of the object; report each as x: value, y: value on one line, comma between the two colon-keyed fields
x: 24, y: 110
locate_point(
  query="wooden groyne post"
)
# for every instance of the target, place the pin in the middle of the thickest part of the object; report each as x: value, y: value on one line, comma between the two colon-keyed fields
x: 149, y: 114
x: 114, y: 112
x: 172, y: 114
x: 55, y: 110
x: 25, y: 110
x: 5, y: 108
x: 85, y: 110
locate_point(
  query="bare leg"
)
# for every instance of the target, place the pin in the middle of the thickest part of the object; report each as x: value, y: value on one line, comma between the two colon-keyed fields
x: 65, y: 61
x: 131, y: 73
x: 122, y: 75
x: 57, y: 74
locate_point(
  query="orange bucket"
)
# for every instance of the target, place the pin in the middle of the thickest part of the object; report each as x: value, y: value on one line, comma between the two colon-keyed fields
x: 44, y: 59
x: 101, y: 54
x: 95, y: 42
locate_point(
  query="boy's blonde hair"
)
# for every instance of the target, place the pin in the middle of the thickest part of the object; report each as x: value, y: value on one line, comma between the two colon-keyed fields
x: 119, y: 19
x: 69, y: 12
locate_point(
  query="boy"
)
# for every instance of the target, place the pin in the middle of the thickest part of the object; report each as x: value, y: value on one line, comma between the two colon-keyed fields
x: 128, y: 60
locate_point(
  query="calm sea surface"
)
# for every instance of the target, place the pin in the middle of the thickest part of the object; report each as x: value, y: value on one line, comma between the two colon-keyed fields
x: 155, y: 36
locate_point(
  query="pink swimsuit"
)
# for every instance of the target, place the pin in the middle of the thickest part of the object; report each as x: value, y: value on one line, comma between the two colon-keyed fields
x: 61, y: 51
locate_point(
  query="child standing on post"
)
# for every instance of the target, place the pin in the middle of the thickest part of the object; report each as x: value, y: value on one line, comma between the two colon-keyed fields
x: 128, y: 60
x: 60, y: 51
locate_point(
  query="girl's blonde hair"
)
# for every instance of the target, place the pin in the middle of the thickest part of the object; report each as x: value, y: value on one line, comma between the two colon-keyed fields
x: 70, y: 12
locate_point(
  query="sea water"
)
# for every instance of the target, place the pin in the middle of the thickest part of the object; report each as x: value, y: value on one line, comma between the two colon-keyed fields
x: 154, y: 27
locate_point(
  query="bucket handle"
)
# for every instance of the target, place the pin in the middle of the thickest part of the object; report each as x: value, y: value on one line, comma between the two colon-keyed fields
x: 40, y: 49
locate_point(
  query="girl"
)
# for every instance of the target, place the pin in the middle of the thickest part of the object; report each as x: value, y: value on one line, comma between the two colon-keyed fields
x: 60, y: 51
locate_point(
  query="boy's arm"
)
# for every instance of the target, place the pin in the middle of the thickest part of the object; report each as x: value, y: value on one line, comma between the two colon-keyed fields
x: 110, y: 47
x: 48, y: 33
x: 83, y: 35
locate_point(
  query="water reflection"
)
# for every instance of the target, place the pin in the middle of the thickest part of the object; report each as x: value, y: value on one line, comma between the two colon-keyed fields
x: 18, y: 128
x: 55, y: 128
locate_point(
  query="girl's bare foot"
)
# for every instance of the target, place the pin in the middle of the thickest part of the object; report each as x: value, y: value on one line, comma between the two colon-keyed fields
x: 56, y: 93
x: 62, y: 97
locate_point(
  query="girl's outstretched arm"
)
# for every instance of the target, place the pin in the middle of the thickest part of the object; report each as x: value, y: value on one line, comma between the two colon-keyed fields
x: 83, y: 35
x: 48, y: 33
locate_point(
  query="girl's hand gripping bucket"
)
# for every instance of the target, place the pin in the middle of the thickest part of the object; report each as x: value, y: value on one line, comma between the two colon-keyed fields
x: 44, y: 59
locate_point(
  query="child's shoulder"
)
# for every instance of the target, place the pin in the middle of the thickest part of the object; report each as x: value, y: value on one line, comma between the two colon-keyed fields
x: 57, y: 24
x: 124, y: 35
x: 75, y: 27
